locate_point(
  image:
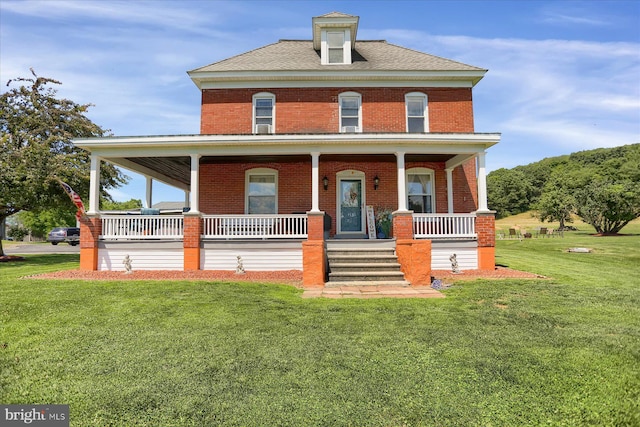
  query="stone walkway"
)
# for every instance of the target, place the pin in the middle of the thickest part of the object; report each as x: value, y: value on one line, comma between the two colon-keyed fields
x: 372, y: 291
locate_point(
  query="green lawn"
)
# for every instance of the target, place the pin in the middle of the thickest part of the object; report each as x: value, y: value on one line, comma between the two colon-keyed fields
x: 558, y: 352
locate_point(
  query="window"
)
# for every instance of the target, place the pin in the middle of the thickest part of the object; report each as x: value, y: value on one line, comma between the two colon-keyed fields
x: 420, y: 190
x: 416, y: 104
x: 350, y: 112
x: 262, y: 191
x: 336, y: 47
x: 264, y: 113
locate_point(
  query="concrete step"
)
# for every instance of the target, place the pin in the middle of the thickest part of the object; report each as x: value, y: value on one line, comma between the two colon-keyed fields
x: 361, y: 251
x: 361, y: 243
x: 371, y: 263
x: 358, y: 258
x: 369, y: 283
x: 364, y: 266
x: 366, y: 276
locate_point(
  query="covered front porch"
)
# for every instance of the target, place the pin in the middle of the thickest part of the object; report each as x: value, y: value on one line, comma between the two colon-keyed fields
x: 310, y: 177
x: 263, y: 242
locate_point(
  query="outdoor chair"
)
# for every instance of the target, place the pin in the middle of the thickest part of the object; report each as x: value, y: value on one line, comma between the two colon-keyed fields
x: 556, y: 232
x: 514, y: 234
x: 543, y: 232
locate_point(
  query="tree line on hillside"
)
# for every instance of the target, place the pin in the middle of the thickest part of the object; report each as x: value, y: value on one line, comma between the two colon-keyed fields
x: 601, y: 186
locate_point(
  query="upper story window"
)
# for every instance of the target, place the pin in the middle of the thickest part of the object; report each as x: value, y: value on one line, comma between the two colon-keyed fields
x: 261, y: 189
x: 417, y: 118
x: 336, y: 47
x: 350, y: 112
x: 420, y: 186
x: 264, y: 112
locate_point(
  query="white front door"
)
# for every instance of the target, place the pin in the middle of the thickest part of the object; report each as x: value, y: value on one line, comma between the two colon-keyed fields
x: 351, y: 214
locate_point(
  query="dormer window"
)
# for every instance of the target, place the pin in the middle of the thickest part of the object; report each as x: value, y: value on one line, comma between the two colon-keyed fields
x: 334, y: 36
x: 336, y: 47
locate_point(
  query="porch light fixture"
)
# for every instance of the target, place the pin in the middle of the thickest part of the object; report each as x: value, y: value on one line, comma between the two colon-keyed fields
x: 376, y: 182
x: 325, y: 182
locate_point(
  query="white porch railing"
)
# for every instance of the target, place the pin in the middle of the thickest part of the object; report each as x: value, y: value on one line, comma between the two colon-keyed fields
x: 292, y: 226
x: 142, y: 227
x: 444, y: 226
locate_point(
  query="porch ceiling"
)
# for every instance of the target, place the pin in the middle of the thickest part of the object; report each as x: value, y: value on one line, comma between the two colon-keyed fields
x: 173, y: 170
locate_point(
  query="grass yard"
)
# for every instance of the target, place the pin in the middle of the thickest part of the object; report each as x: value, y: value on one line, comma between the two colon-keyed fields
x: 558, y: 352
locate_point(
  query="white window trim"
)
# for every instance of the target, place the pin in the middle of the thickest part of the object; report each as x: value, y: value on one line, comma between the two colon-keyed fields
x: 263, y: 95
x: 349, y: 95
x: 259, y: 171
x: 425, y: 103
x: 432, y: 179
x: 346, y: 48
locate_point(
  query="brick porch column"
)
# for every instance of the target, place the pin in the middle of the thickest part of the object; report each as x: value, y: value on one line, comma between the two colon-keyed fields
x: 403, y: 225
x: 90, y: 231
x: 414, y: 255
x: 486, y: 230
x: 191, y: 240
x: 313, y: 251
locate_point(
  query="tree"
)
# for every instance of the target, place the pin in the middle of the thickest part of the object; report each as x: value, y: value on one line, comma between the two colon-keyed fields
x: 40, y: 222
x: 108, y: 205
x: 557, y: 201
x: 538, y: 174
x: 555, y: 204
x: 36, y: 129
x: 609, y: 206
x: 508, y: 192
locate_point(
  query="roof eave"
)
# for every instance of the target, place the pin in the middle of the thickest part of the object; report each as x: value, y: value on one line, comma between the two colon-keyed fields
x: 324, y: 143
x: 211, y: 78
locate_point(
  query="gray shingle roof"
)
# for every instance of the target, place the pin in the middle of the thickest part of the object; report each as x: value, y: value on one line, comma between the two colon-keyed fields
x: 369, y: 55
x: 336, y: 15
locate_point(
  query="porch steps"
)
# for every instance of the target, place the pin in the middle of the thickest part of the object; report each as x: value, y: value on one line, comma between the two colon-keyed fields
x: 363, y: 263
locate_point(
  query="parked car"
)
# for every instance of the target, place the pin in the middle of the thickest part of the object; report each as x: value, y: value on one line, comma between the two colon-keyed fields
x: 70, y: 235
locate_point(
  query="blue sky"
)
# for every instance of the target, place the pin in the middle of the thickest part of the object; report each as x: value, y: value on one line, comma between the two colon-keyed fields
x: 564, y: 76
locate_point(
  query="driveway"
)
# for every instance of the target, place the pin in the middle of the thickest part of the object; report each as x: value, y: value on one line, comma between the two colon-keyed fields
x: 39, y: 248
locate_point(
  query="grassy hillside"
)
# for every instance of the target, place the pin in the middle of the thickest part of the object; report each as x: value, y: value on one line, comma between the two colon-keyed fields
x: 529, y: 222
x: 577, y: 180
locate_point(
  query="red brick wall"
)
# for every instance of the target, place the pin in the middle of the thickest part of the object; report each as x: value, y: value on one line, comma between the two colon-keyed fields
x: 465, y: 188
x: 222, y: 185
x: 315, y: 110
x: 485, y: 227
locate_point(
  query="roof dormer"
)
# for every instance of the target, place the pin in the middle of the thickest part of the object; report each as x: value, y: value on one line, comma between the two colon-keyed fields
x: 334, y: 35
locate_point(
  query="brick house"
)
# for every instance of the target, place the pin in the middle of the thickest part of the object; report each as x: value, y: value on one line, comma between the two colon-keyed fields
x: 312, y: 152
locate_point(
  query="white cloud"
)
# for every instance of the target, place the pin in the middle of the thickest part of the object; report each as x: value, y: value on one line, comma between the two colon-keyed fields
x: 556, y: 95
x: 563, y: 19
x: 138, y: 12
x: 547, y: 97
